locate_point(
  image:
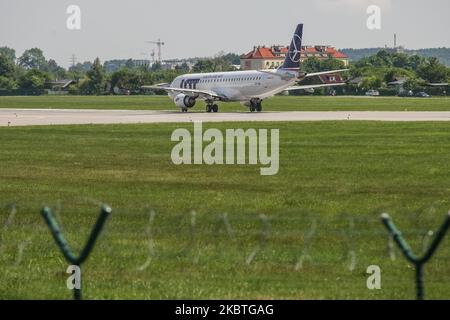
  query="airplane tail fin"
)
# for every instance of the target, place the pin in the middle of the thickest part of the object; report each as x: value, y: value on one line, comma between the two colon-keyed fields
x: 292, y: 60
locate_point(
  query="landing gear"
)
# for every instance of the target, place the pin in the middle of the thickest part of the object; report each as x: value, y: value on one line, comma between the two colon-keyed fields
x: 255, y: 105
x: 212, y: 108
x: 184, y: 109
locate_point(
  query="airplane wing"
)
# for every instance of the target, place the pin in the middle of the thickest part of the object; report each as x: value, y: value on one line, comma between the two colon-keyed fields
x: 313, y: 74
x: 312, y: 86
x: 205, y: 94
x: 288, y: 76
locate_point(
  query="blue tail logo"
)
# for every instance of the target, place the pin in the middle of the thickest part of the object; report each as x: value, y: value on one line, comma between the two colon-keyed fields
x: 292, y: 60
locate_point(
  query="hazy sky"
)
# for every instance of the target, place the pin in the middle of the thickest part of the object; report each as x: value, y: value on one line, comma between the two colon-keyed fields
x: 117, y: 29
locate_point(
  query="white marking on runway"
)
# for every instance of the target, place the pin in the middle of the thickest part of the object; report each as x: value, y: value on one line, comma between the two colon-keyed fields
x: 31, y: 117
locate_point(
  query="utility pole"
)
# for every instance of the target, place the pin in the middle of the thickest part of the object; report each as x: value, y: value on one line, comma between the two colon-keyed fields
x: 73, y: 60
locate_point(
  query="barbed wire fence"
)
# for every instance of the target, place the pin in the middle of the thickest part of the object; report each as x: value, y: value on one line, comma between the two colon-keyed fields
x: 150, y: 241
x: 418, y: 262
x: 248, y: 240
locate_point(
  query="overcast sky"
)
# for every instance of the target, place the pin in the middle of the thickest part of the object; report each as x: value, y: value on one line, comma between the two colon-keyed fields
x: 117, y: 29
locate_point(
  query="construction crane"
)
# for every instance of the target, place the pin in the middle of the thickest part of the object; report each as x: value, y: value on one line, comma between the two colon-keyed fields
x: 159, y: 44
x: 153, y: 55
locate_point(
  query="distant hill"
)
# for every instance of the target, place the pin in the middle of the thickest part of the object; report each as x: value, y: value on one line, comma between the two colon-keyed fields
x: 443, y: 54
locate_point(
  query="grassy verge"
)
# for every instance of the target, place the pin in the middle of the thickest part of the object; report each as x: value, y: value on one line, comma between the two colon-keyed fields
x: 278, y: 103
x: 338, y: 175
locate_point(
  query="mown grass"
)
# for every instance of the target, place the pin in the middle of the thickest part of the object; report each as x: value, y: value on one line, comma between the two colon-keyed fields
x: 278, y: 103
x: 329, y: 172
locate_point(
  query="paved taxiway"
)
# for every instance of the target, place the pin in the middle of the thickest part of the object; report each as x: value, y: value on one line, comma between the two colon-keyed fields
x: 27, y: 117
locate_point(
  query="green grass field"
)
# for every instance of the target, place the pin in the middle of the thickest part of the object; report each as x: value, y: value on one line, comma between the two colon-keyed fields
x: 278, y: 103
x: 329, y: 172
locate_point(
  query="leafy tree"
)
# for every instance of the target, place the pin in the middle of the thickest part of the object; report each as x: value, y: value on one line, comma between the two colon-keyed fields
x: 400, y: 60
x: 7, y: 83
x: 433, y: 71
x: 392, y: 74
x: 183, y: 68
x: 216, y: 64
x: 160, y: 76
x: 79, y: 70
x: 203, y: 65
x: 57, y: 71
x: 232, y: 58
x: 34, y: 79
x: 311, y: 64
x: 443, y: 54
x: 7, y: 67
x: 220, y: 63
x: 129, y: 64
x: 33, y: 59
x: 415, y: 61
x: 382, y: 59
x: 84, y: 86
x: 314, y: 64
x: 143, y: 68
x: 81, y: 67
x: 9, y: 53
x: 372, y: 82
x: 156, y: 66
x: 96, y: 78
x: 130, y: 79
x: 331, y: 64
x: 414, y: 84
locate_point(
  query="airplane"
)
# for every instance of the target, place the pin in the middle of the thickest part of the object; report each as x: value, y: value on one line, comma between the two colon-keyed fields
x: 248, y: 87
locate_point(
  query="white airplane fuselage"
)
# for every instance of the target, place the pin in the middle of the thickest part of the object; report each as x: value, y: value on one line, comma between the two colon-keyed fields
x: 248, y: 87
x: 238, y: 85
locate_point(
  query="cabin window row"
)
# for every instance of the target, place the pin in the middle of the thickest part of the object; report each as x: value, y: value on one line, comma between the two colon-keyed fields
x: 230, y: 79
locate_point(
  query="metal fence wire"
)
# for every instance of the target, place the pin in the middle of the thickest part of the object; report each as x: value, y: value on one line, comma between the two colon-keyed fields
x: 293, y: 239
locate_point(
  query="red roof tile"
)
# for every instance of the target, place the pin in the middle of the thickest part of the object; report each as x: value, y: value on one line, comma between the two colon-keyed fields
x: 260, y: 53
x: 310, y: 50
x: 268, y: 53
x: 335, y: 54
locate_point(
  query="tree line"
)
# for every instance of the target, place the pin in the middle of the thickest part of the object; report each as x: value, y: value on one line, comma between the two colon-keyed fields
x: 386, y: 66
x: 32, y: 72
x: 443, y: 54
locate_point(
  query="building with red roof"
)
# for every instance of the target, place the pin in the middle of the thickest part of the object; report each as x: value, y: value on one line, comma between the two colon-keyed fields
x: 262, y: 57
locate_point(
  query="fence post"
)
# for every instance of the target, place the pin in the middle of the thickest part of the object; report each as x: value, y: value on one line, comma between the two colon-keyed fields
x: 64, y: 246
x: 418, y: 262
x: 12, y: 212
x: 151, y: 242
x: 306, y: 245
x: 264, y: 237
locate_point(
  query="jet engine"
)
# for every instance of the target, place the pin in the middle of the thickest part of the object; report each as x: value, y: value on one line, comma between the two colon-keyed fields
x: 184, y: 101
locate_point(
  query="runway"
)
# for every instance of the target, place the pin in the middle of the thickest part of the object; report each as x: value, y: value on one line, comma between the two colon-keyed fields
x: 33, y: 117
